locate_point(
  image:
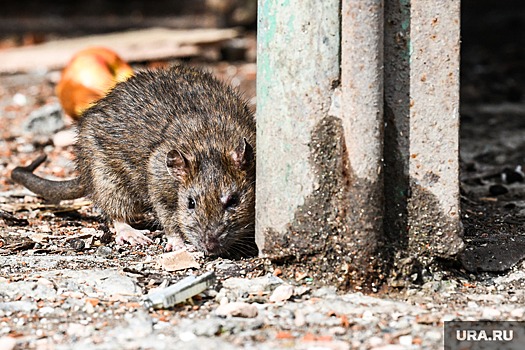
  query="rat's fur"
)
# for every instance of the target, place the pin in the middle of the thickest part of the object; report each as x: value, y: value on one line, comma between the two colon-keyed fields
x: 176, y: 142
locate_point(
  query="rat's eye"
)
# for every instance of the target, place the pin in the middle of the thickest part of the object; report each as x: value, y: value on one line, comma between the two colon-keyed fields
x: 230, y: 201
x: 191, y: 203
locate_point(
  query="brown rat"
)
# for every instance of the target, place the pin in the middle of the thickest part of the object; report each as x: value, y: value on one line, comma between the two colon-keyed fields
x: 175, y: 142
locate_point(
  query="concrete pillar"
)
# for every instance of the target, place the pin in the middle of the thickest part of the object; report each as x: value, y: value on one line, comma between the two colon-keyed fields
x: 325, y: 145
x: 362, y: 119
x: 297, y: 69
x: 421, y: 133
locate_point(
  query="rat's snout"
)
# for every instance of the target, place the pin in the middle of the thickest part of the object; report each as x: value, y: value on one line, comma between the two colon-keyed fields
x: 211, y: 244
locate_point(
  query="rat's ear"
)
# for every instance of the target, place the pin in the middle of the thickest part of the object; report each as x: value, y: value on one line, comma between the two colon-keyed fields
x: 176, y: 163
x: 243, y: 155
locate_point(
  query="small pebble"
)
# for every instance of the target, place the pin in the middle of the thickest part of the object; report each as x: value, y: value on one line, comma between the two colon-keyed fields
x: 103, y: 251
x: 338, y: 330
x: 490, y: 313
x: 20, y: 99
x: 299, y: 319
x: 237, y: 309
x: 46, y: 310
x: 7, y: 343
x: 511, y: 176
x: 518, y: 313
x: 77, y: 244
x: 64, y: 138
x: 497, y: 190
x: 282, y: 293
x: 45, y: 120
x: 405, y: 340
x: 187, y: 336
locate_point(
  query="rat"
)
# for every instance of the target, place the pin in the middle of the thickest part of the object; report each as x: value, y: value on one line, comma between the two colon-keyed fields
x: 174, y: 142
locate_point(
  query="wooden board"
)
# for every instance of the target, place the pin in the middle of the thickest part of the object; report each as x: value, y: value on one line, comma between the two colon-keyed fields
x: 138, y: 45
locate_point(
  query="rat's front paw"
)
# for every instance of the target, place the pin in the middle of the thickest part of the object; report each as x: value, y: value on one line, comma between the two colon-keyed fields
x: 174, y: 243
x: 126, y: 233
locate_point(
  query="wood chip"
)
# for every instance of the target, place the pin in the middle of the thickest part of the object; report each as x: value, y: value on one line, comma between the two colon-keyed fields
x: 177, y: 260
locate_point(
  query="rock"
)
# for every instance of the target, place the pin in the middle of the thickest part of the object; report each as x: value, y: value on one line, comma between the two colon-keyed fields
x: 109, y: 282
x: 338, y: 330
x: 512, y: 277
x: 518, y: 313
x: 209, y: 327
x: 104, y: 251
x: 490, y: 314
x: 390, y: 347
x: 19, y: 99
x: 79, y: 330
x: 19, y: 305
x: 324, y: 292
x: 241, y: 286
x: 46, y: 310
x: 511, y: 176
x: 282, y: 293
x: 497, y: 190
x: 45, y: 121
x: 77, y: 244
x: 7, y: 343
x: 237, y: 309
x: 187, y: 336
x: 65, y: 138
x: 139, y: 325
x: 299, y: 319
x: 405, y: 340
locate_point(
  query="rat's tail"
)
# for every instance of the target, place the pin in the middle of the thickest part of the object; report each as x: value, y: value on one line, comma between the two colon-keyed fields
x: 50, y: 190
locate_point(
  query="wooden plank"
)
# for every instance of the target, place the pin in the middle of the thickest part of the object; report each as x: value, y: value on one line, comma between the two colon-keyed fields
x: 138, y: 45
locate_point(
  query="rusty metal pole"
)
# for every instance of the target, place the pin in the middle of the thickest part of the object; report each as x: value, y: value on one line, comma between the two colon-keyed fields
x: 421, y: 133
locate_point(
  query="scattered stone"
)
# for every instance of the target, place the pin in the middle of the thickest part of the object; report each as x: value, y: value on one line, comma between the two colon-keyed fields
x: 243, y: 287
x: 104, y: 251
x: 390, y: 347
x: 405, y: 340
x: 237, y: 309
x: 20, y: 99
x: 19, y: 305
x: 498, y: 190
x: 79, y: 330
x: 46, y: 120
x: 46, y: 310
x: 518, y: 313
x: 282, y: 293
x: 512, y: 277
x: 325, y: 291
x: 299, y: 319
x: 7, y: 343
x: 490, y: 313
x: 301, y: 290
x: 77, y: 244
x: 511, y: 176
x: 65, y: 138
x: 187, y: 336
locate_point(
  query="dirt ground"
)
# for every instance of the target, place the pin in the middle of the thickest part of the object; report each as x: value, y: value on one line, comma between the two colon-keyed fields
x: 65, y: 284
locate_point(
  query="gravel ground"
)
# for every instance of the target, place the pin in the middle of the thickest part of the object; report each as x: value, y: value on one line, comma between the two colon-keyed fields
x: 65, y: 285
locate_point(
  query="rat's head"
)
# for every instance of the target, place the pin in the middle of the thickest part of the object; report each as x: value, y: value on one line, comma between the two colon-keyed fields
x: 216, y: 199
